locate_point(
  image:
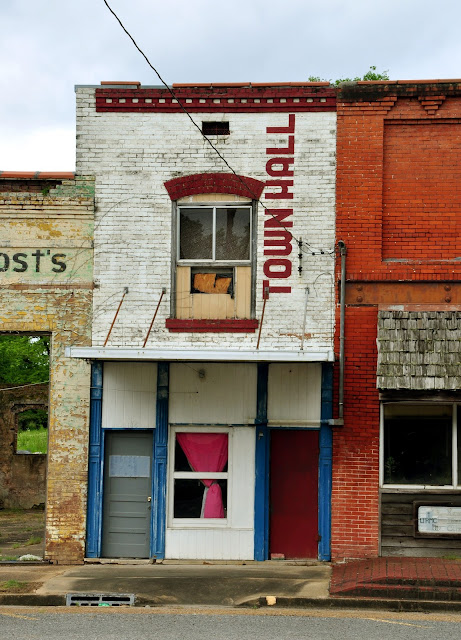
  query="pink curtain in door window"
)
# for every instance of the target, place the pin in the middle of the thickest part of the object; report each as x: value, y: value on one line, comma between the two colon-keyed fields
x: 207, y: 452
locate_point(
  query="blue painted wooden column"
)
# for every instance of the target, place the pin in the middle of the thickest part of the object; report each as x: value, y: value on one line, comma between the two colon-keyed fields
x: 160, y: 463
x: 261, y: 540
x: 325, y: 463
x: 94, y: 510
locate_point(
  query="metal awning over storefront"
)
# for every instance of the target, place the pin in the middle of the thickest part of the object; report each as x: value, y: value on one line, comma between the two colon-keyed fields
x: 197, y: 355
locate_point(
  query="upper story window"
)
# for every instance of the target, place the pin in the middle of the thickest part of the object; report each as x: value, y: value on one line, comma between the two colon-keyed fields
x: 214, y: 252
x: 214, y: 234
x: 214, y: 275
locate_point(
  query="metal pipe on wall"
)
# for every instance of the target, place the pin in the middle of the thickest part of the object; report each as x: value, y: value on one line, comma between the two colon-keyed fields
x: 342, y: 313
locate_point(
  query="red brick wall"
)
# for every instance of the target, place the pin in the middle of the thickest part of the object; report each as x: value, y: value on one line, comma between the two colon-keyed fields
x: 381, y: 217
x: 398, y: 207
x: 355, y: 498
x: 422, y: 190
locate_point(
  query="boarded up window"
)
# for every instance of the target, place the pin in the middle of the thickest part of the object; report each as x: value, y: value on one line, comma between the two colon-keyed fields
x: 211, y: 282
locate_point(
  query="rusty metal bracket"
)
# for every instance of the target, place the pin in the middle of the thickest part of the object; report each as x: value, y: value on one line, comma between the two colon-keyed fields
x: 125, y: 291
x: 155, y: 315
x: 266, y: 298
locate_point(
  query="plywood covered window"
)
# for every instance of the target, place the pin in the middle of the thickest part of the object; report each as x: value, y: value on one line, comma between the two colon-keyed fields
x: 214, y: 259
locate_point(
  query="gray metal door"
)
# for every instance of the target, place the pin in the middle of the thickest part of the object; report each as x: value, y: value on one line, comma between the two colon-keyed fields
x: 127, y: 494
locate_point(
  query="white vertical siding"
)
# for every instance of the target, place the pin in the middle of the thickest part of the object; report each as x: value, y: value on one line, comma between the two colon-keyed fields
x: 129, y: 395
x: 236, y: 540
x: 209, y: 544
x: 243, y: 477
x: 294, y: 393
x: 212, y: 393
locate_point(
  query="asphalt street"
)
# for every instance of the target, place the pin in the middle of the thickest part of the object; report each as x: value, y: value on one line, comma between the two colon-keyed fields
x: 19, y: 623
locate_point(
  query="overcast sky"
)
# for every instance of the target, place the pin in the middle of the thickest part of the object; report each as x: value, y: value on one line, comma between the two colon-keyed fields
x: 47, y: 47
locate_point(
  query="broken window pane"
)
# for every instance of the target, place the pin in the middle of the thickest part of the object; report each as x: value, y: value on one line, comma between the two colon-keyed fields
x: 212, y: 281
x: 232, y: 234
x: 196, y: 234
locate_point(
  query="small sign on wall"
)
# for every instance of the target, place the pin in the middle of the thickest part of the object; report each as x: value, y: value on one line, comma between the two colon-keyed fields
x: 438, y: 519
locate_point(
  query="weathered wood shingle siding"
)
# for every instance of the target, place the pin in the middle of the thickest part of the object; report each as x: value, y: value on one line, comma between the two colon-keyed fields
x: 419, y: 350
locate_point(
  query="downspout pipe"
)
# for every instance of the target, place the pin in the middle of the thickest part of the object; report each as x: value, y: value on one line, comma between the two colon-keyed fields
x: 342, y: 314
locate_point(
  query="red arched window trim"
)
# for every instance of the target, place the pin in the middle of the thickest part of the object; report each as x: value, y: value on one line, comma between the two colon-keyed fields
x: 214, y: 183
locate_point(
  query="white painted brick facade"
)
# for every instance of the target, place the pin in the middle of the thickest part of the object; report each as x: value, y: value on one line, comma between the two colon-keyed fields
x: 133, y: 154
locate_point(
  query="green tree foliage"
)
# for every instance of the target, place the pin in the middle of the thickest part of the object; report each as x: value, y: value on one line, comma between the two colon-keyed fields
x: 33, y: 419
x: 371, y: 74
x: 24, y: 359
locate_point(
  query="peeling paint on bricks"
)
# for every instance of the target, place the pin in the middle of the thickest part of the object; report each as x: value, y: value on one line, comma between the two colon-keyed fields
x: 44, y: 297
x: 132, y: 154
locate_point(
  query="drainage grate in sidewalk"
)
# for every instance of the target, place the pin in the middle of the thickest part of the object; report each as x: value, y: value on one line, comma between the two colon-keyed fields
x: 99, y: 599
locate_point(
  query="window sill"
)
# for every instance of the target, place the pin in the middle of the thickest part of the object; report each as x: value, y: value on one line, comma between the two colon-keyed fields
x: 199, y: 523
x: 419, y: 488
x: 211, y: 326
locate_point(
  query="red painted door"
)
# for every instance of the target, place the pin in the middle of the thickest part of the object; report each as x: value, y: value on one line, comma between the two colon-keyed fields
x: 294, y: 493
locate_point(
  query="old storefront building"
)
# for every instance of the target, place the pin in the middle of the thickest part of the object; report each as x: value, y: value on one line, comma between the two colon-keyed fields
x: 46, y: 275
x: 212, y: 339
x: 397, y: 460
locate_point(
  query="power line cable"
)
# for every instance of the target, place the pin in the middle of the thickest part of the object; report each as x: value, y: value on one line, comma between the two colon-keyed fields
x: 205, y: 137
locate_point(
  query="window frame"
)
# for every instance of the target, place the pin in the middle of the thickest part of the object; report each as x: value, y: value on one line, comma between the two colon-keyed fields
x: 455, y: 463
x: 175, y: 262
x: 198, y: 523
x: 211, y: 261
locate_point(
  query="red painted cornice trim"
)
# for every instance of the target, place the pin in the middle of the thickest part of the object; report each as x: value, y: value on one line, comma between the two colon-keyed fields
x: 246, y: 98
x: 199, y: 183
x: 211, y: 326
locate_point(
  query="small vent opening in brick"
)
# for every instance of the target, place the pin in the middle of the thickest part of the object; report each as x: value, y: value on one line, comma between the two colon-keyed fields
x: 215, y: 128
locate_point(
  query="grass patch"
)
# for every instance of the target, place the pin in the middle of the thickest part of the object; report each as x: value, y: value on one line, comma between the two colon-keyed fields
x: 8, y: 558
x: 16, y: 586
x: 13, y: 585
x: 35, y: 440
x: 33, y: 540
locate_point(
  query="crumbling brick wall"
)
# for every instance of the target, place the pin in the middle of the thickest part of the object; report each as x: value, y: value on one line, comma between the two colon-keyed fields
x: 48, y: 289
x: 22, y: 476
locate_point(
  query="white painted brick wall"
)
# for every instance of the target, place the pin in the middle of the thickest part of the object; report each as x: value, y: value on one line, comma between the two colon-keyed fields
x: 133, y: 154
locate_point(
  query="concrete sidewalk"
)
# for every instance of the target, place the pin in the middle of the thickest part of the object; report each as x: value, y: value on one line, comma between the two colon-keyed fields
x: 402, y: 584
x: 170, y: 584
